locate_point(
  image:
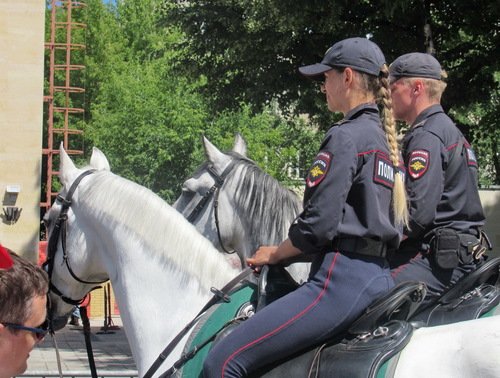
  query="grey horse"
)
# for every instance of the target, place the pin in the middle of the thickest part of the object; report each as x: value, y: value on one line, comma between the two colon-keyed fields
x: 237, y: 206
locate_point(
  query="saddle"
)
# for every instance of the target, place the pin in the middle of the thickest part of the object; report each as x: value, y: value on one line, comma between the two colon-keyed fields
x: 378, y: 334
x: 383, y: 329
x: 470, y: 298
x: 386, y: 326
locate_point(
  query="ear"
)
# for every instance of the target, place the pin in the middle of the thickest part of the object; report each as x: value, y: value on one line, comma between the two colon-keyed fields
x: 214, y: 155
x: 240, y: 146
x: 348, y: 75
x: 418, y: 87
x: 66, y: 168
x: 98, y: 160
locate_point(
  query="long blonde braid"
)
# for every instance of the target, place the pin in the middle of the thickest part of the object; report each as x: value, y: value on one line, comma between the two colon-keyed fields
x: 399, y: 202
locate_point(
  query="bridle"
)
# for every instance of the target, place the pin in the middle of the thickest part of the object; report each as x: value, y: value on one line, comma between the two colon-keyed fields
x: 213, y: 191
x: 59, y: 231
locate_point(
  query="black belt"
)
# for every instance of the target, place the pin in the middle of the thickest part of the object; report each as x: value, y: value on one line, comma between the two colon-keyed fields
x: 472, y: 244
x: 362, y: 246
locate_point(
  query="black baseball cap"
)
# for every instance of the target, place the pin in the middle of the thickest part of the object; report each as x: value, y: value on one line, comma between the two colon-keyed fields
x: 415, y: 65
x: 360, y: 54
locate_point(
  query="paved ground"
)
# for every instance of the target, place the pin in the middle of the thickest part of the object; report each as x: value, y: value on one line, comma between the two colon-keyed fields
x: 111, y: 353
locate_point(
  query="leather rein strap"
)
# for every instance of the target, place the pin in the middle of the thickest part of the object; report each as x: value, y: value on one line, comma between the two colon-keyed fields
x: 221, y: 294
x: 88, y: 343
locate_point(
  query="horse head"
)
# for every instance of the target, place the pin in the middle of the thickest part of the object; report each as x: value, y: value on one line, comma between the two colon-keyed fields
x: 73, y: 268
x: 236, y: 205
x: 204, y: 200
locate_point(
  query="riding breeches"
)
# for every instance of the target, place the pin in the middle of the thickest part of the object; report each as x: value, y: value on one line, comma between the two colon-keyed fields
x: 422, y: 268
x: 339, y: 288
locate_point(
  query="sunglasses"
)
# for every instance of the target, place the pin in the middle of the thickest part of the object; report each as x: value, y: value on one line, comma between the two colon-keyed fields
x: 40, y: 332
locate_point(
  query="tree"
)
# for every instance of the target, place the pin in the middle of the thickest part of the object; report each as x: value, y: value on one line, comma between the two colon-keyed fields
x: 141, y: 113
x: 250, y: 50
x: 148, y: 119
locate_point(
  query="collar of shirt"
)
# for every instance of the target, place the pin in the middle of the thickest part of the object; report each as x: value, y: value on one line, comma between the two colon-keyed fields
x: 426, y: 113
x: 355, y: 112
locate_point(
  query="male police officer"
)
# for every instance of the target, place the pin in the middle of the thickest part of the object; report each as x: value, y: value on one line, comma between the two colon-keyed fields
x: 442, y: 242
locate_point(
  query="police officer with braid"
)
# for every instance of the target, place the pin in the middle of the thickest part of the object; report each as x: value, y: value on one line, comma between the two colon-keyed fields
x: 443, y: 237
x: 354, y: 207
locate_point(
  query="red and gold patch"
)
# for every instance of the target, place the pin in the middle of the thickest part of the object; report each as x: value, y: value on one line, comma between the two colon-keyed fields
x: 418, y: 163
x: 319, y: 168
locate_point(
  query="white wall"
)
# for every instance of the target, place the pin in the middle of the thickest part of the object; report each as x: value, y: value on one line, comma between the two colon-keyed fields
x: 21, y: 114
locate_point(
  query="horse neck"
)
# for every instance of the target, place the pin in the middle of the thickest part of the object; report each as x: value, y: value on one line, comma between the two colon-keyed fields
x: 264, y: 209
x: 154, y: 305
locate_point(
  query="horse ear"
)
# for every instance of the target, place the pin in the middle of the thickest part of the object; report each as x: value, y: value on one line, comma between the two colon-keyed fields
x: 240, y: 146
x: 213, y: 153
x: 98, y: 160
x: 66, y: 165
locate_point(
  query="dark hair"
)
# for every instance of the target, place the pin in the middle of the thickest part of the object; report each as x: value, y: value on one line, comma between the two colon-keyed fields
x: 19, y: 285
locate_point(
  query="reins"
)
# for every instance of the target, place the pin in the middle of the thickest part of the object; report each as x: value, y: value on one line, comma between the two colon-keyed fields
x: 213, y: 191
x: 221, y: 294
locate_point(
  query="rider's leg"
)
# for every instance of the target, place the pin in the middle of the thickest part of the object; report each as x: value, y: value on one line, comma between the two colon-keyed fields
x: 334, y: 296
x: 423, y: 268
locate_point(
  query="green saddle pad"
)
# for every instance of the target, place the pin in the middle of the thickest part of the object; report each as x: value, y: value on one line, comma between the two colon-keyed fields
x: 211, y: 323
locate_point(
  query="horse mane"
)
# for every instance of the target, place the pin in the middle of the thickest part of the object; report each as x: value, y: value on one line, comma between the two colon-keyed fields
x: 179, y: 246
x: 271, y: 208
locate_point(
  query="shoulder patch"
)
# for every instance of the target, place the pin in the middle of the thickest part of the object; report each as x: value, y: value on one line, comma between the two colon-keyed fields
x: 318, y: 169
x: 471, y: 156
x: 418, y: 163
x: 383, y: 172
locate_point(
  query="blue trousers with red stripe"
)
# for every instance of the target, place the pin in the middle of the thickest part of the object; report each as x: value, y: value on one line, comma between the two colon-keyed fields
x: 339, y: 288
x: 414, y: 266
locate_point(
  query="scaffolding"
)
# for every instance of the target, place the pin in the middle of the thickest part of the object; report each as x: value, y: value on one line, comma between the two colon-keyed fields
x: 65, y: 99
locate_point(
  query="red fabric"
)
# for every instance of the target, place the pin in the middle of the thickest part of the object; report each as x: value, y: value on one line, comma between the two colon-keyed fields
x: 5, y: 259
x: 42, y: 251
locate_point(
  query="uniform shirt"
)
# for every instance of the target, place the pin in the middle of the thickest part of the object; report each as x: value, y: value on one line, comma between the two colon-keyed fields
x: 441, y: 176
x: 349, y: 186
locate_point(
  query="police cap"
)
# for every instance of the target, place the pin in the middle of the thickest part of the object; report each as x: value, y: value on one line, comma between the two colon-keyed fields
x: 415, y: 65
x: 360, y: 54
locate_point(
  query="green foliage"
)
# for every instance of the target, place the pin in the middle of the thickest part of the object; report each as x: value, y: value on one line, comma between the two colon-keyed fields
x: 161, y: 73
x: 250, y: 50
x: 279, y: 146
x: 148, y: 119
x: 144, y: 122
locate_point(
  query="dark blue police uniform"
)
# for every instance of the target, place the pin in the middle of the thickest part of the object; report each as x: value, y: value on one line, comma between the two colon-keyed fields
x: 441, y: 181
x: 346, y: 226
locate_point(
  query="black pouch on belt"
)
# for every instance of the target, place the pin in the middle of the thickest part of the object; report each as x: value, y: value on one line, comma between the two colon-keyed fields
x: 445, y: 248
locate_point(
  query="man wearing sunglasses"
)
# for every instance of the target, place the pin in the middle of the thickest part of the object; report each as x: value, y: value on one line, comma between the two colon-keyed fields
x: 23, y: 300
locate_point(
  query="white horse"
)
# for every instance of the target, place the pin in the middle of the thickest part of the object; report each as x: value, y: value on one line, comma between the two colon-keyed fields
x: 160, y: 267
x: 161, y: 270
x: 237, y: 206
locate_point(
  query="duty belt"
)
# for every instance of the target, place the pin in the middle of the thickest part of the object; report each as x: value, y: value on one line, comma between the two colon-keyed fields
x: 472, y: 244
x: 362, y: 246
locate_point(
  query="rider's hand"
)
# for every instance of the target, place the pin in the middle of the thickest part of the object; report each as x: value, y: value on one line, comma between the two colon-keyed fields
x: 265, y: 255
x: 269, y: 255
